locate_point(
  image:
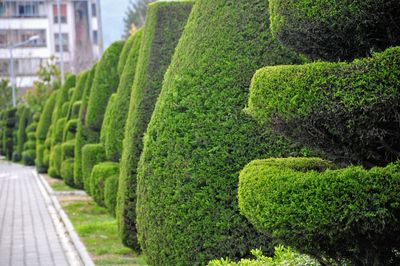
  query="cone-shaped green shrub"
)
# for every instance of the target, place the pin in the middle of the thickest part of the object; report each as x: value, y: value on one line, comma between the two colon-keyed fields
x: 29, y: 148
x: 67, y: 171
x: 120, y: 109
x: 83, y: 135
x: 42, y: 130
x: 73, y: 110
x: 124, y: 56
x: 164, y: 25
x: 336, y: 30
x: 101, y: 172
x: 2, y: 128
x: 22, y: 137
x: 349, y: 213
x: 105, y: 83
x: 17, y: 154
x: 351, y: 111
x: 110, y: 194
x: 199, y: 139
x: 9, y: 126
x: 92, y: 154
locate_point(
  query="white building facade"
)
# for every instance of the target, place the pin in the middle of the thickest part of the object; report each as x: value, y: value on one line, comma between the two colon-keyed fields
x: 20, y: 20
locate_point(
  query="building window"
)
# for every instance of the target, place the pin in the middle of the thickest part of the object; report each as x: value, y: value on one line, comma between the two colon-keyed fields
x: 95, y: 37
x: 65, y: 42
x: 94, y: 10
x: 63, y: 14
x: 8, y: 37
x: 4, y: 67
x: 27, y: 10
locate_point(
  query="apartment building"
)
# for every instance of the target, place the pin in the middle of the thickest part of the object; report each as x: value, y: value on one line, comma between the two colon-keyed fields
x: 38, y: 20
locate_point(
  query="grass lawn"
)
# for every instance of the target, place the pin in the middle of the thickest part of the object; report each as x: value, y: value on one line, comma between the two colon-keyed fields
x: 57, y: 184
x: 98, y: 231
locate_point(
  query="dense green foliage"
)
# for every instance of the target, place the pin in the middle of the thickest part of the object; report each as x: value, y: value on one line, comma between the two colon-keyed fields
x: 110, y: 194
x: 101, y: 172
x: 92, y: 154
x: 29, y: 148
x: 282, y: 257
x: 350, y: 111
x: 104, y: 84
x: 336, y: 30
x: 164, y: 25
x: 55, y: 161
x: 105, y: 128
x: 349, y: 213
x: 83, y: 135
x: 42, y: 131
x: 120, y: 109
x: 199, y: 139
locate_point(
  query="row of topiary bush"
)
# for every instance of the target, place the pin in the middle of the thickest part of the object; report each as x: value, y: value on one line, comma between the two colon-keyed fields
x: 156, y: 132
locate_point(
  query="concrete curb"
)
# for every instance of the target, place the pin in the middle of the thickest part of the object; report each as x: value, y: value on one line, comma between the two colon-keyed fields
x: 80, y: 249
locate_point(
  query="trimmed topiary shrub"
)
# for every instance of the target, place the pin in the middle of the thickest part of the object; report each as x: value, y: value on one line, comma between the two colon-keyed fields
x: 101, y: 172
x: 22, y: 137
x: 67, y: 171
x: 349, y: 213
x: 104, y: 84
x: 70, y: 130
x: 336, y: 30
x: 120, y: 109
x: 92, y: 154
x: 107, y: 118
x: 41, y: 132
x: 164, y: 25
x: 350, y: 111
x: 9, y: 126
x: 199, y: 139
x: 110, y: 194
x: 83, y: 135
x: 68, y: 149
x: 55, y: 161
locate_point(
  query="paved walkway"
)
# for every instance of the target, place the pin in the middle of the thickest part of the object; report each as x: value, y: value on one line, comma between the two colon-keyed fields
x: 28, y: 235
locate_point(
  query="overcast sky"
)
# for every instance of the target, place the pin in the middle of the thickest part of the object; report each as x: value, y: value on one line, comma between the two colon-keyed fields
x: 113, y: 12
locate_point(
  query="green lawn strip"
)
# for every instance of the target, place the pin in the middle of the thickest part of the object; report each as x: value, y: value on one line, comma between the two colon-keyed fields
x: 98, y: 231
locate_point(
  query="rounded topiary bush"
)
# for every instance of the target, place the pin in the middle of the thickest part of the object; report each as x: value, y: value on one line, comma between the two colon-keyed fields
x: 120, y: 108
x: 199, y: 139
x: 336, y: 30
x: 349, y: 213
x: 24, y: 121
x: 164, y: 25
x: 10, y: 120
x: 101, y: 172
x: 110, y: 194
x: 55, y: 161
x: 105, y: 128
x: 351, y: 111
x: 92, y: 154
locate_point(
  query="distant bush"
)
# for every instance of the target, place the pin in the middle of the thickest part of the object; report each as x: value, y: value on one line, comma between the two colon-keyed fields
x: 101, y: 172
x: 110, y: 194
x: 41, y: 132
x: 349, y: 111
x: 343, y: 214
x: 56, y: 160
x: 336, y: 30
x: 24, y: 120
x: 83, y: 135
x: 92, y: 154
x: 67, y: 171
x: 9, y: 125
x: 164, y: 25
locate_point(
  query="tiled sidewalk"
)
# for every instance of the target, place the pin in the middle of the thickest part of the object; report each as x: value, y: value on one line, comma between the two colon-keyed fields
x: 27, y: 232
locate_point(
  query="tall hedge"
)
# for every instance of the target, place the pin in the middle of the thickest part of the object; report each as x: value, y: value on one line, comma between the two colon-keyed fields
x: 105, y: 128
x: 336, y: 30
x: 120, y: 109
x: 343, y: 214
x: 105, y: 83
x: 199, y: 139
x: 351, y: 111
x: 2, y: 128
x: 163, y: 28
x: 83, y: 135
x: 41, y: 132
x: 29, y: 148
x: 78, y: 93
